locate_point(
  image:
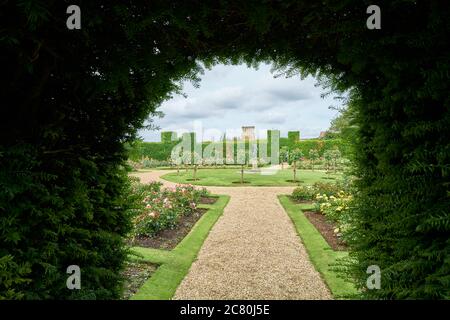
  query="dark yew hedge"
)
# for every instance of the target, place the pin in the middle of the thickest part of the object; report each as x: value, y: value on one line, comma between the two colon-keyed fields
x: 71, y: 99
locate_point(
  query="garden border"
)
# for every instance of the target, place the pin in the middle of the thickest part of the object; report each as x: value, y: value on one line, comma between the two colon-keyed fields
x: 320, y: 253
x: 175, y: 264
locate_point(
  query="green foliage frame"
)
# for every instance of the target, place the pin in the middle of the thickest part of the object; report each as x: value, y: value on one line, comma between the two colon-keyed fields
x: 72, y: 98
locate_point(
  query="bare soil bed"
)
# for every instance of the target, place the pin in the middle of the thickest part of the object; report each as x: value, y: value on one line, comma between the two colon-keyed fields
x: 208, y: 200
x: 295, y: 181
x: 136, y: 273
x: 326, y: 229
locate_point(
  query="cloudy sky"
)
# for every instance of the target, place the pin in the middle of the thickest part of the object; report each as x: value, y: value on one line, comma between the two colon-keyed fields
x: 233, y: 96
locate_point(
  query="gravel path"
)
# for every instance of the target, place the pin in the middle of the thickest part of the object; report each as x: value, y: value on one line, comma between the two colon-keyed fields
x: 252, y: 252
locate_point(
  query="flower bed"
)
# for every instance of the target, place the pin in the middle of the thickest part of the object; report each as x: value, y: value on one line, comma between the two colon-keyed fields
x: 163, y: 207
x: 303, y: 194
x: 331, y: 215
x: 336, y: 208
x: 307, y: 193
x: 327, y: 228
x: 168, y: 239
x: 163, y: 216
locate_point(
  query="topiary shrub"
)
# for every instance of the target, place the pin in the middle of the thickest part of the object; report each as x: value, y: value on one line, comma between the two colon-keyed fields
x: 293, y: 137
x: 168, y: 136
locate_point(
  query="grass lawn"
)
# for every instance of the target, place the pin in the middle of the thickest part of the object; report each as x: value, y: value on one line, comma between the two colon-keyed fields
x: 226, y: 177
x: 174, y: 264
x: 320, y: 253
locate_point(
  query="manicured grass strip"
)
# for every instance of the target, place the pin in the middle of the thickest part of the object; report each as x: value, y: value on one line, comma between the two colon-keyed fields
x: 226, y: 177
x: 175, y: 264
x: 321, y: 254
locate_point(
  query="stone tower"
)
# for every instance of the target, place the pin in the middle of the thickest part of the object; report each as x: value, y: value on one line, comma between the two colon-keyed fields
x: 248, y: 132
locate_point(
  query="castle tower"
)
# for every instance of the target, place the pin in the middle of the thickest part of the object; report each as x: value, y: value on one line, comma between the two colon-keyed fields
x: 248, y: 132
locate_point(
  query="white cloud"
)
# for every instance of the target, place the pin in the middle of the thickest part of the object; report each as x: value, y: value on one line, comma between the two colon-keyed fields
x: 272, y: 117
x: 232, y: 96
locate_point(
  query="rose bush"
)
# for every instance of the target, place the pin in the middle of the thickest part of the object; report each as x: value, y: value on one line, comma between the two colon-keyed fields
x: 303, y: 193
x: 161, y: 208
x: 330, y: 189
x: 336, y: 208
x: 308, y: 192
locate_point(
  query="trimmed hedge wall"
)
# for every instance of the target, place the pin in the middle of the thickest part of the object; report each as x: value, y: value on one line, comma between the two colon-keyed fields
x: 294, y: 136
x: 166, y: 136
x: 319, y: 144
x: 162, y: 151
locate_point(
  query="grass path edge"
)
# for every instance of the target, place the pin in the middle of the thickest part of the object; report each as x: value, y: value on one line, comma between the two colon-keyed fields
x: 320, y: 253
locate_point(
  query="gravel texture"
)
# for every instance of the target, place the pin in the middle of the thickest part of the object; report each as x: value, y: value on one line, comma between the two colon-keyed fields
x: 252, y: 252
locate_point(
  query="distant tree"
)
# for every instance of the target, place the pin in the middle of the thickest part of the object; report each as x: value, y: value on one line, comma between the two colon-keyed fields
x: 335, y: 156
x: 313, y: 156
x: 196, y: 160
x: 284, y: 156
x: 217, y: 157
x: 328, y: 157
x: 339, y: 123
x: 187, y: 159
x: 295, y: 156
x: 209, y: 161
x: 176, y: 159
x: 176, y: 163
x: 345, y: 128
x: 242, y: 158
x: 242, y: 174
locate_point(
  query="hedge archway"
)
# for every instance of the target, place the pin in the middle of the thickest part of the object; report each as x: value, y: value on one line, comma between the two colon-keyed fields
x: 71, y: 98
